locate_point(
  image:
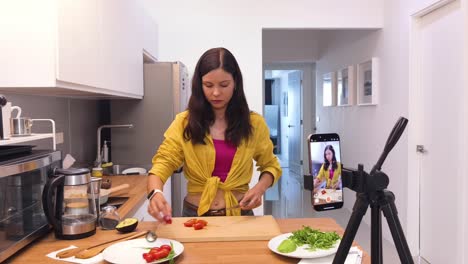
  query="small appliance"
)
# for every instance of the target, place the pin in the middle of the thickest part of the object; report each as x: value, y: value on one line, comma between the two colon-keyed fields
x: 69, y: 203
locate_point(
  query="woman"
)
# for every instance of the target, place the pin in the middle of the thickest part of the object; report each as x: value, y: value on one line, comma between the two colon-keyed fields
x: 215, y: 140
x: 330, y: 172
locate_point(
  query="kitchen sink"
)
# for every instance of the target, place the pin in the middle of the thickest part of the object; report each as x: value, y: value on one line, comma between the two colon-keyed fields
x: 118, y: 169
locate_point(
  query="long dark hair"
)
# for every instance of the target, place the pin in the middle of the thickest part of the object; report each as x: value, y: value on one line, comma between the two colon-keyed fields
x: 327, y: 163
x: 201, y: 115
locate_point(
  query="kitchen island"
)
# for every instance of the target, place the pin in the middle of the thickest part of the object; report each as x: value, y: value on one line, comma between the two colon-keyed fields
x: 201, y: 252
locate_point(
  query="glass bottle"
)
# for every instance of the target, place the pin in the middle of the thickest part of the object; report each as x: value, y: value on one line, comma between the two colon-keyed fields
x: 109, y: 217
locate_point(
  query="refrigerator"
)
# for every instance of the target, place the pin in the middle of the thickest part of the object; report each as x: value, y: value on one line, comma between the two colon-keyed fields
x: 166, y: 93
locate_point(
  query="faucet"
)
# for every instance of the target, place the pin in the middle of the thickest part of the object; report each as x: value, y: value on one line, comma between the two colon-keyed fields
x: 98, y: 161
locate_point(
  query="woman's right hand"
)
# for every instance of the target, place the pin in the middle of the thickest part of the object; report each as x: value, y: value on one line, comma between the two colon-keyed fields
x: 159, y: 208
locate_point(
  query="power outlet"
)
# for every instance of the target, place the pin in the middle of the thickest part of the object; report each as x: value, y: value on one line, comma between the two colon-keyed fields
x: 59, y: 138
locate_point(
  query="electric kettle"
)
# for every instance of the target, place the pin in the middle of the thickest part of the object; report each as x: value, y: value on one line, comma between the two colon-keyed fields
x: 68, y: 201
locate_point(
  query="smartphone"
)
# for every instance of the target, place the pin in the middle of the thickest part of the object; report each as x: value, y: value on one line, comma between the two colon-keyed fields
x: 325, y: 167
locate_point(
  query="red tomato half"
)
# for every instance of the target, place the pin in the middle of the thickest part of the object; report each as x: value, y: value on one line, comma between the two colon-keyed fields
x: 167, y: 247
x: 148, y: 257
x: 154, y: 249
x: 190, y: 222
x: 158, y: 255
x: 198, y: 226
x: 202, y: 221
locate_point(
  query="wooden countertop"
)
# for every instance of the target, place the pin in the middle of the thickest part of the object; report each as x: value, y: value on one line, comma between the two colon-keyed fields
x: 206, y: 252
x: 136, y: 193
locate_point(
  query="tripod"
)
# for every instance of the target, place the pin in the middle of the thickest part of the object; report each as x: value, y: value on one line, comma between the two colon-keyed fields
x: 371, y: 191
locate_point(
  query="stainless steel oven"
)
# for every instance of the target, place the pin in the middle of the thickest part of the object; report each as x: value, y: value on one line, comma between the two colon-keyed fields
x: 22, y: 217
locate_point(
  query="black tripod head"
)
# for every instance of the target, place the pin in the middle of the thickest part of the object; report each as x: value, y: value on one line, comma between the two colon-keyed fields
x: 391, y: 141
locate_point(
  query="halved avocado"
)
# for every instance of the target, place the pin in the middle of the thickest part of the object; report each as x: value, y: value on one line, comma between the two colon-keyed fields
x: 127, y: 225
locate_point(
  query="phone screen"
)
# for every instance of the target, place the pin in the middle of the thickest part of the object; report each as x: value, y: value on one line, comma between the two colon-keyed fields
x: 325, y: 167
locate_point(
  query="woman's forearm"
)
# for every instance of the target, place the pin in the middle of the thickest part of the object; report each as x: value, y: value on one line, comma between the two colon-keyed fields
x: 154, y: 182
x: 266, y: 180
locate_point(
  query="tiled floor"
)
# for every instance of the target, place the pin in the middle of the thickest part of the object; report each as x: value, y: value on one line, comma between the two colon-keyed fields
x: 276, y: 208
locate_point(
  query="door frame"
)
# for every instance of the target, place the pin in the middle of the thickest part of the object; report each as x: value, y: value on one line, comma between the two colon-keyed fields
x: 308, y: 80
x: 414, y: 126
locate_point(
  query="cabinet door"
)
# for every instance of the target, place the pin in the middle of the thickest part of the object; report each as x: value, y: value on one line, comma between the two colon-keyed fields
x: 150, y: 35
x: 27, y: 43
x: 122, y: 42
x: 78, y: 43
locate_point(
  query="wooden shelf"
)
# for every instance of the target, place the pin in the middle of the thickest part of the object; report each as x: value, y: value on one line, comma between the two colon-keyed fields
x: 16, y: 140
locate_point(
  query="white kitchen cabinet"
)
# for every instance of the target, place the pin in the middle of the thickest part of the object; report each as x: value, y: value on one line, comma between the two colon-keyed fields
x: 150, y: 35
x: 78, y: 43
x: 122, y: 45
x: 83, y: 48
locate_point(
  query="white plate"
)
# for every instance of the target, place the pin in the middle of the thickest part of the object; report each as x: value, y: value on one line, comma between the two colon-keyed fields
x: 140, y: 171
x: 131, y: 251
x: 300, y: 252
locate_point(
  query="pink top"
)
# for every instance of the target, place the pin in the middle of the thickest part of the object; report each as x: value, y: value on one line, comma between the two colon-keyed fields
x: 331, y: 173
x: 224, y: 156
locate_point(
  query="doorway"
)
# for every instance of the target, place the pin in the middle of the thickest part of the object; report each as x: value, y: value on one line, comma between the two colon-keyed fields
x: 289, y: 108
x: 436, y: 139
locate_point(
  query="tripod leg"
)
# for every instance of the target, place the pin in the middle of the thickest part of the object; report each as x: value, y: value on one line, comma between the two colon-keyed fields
x: 390, y: 212
x: 376, y: 234
x: 359, y: 210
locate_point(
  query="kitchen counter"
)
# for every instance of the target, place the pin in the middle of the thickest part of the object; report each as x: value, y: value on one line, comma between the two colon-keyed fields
x: 206, y: 252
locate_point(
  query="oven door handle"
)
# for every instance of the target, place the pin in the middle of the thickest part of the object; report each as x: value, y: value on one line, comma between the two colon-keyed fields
x: 26, y: 166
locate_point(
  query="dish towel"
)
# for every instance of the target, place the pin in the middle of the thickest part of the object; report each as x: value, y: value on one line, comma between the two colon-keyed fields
x: 354, y: 257
x: 95, y: 259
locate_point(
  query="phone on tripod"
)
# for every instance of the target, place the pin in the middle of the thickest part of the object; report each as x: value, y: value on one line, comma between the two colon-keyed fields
x: 325, y: 167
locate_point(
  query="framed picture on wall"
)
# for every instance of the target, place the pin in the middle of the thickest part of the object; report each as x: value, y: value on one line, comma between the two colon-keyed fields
x: 329, y: 89
x: 346, y: 86
x: 368, y: 82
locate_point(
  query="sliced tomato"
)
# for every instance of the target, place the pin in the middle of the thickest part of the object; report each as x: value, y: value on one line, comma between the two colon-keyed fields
x: 158, y: 255
x: 202, y: 221
x: 148, y: 257
x: 164, y: 252
x: 165, y: 247
x: 154, y: 249
x: 190, y: 222
x: 198, y: 226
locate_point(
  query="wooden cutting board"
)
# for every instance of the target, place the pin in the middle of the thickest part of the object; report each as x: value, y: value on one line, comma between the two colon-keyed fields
x: 222, y: 228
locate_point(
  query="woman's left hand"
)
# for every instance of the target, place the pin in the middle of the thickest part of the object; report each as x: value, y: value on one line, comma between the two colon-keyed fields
x: 252, y: 198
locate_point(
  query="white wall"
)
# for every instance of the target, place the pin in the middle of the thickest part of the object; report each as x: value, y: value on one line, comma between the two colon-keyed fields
x: 300, y: 45
x: 188, y: 28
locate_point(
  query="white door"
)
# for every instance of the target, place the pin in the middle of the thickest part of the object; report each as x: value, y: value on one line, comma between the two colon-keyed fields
x: 295, y: 124
x: 440, y: 121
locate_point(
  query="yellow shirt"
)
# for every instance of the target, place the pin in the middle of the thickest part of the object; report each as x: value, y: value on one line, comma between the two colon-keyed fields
x: 199, y: 161
x: 325, y: 175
